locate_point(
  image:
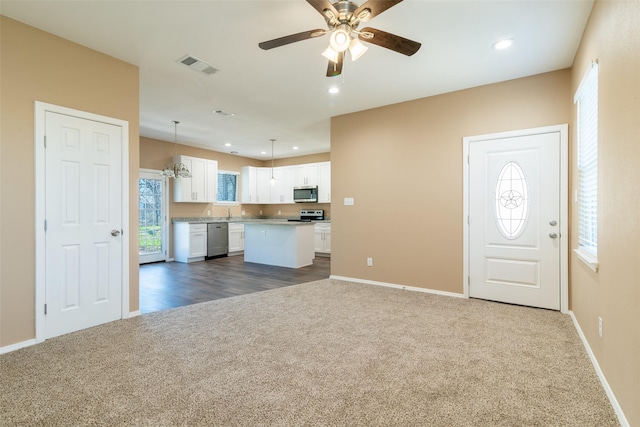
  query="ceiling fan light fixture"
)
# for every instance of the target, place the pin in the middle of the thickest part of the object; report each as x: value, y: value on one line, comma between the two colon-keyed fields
x: 357, y: 49
x: 340, y: 38
x: 364, y: 14
x: 330, y: 54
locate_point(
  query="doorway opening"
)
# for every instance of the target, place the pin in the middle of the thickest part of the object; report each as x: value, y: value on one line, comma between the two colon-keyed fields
x: 152, y: 223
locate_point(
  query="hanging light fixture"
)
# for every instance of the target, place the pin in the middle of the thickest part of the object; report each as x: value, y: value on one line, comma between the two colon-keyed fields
x: 173, y: 169
x: 273, y: 180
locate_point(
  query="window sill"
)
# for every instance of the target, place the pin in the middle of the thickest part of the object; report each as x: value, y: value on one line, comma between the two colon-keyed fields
x: 227, y: 203
x: 587, y: 258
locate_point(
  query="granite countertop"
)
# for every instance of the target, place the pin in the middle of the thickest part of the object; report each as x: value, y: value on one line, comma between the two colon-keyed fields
x: 244, y: 220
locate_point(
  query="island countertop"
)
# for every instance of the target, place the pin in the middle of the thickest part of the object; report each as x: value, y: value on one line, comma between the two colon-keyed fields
x: 281, y: 243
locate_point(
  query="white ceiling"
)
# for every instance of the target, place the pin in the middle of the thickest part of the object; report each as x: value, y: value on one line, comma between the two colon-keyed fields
x: 283, y: 93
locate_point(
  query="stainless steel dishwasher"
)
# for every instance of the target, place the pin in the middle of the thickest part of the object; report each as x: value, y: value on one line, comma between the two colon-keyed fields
x: 217, y: 239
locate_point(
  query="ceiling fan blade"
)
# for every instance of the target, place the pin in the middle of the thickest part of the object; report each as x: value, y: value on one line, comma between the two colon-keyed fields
x: 322, y: 5
x: 390, y: 41
x: 335, y: 68
x: 376, y: 7
x: 291, y: 39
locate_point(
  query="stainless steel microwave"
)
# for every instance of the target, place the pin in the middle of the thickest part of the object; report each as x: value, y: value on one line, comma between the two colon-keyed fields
x: 306, y: 194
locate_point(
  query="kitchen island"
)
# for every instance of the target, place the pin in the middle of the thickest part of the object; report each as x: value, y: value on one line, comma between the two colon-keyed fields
x: 280, y: 243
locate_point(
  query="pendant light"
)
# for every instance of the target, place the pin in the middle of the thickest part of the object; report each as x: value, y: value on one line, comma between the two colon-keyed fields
x: 173, y: 169
x: 273, y: 180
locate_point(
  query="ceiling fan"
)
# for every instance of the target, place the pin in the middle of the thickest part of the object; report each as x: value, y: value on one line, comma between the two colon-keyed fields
x: 343, y: 18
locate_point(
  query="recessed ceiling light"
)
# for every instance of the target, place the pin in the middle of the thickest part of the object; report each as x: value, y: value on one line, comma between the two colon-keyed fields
x: 334, y: 90
x: 263, y: 152
x: 502, y: 44
x: 227, y: 144
x: 295, y: 148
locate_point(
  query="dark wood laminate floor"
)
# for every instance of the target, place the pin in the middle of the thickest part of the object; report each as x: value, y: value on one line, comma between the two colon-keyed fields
x: 174, y: 284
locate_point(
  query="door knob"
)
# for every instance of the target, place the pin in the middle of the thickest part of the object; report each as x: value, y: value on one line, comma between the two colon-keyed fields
x: 553, y: 223
x: 553, y: 235
x: 115, y: 232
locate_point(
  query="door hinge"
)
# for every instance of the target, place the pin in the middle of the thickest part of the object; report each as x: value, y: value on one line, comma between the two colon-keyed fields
x: 468, y: 280
x: 45, y: 225
x: 45, y: 309
x: 45, y: 141
x: 468, y: 161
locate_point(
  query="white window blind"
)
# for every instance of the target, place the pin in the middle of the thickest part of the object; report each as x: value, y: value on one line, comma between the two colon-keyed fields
x: 586, y: 99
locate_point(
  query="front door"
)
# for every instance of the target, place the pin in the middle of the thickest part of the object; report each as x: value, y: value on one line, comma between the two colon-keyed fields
x: 83, y: 211
x: 514, y: 219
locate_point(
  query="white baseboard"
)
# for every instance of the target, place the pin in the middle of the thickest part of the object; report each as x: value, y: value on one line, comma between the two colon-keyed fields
x: 393, y: 285
x: 134, y: 313
x: 603, y: 380
x: 17, y: 346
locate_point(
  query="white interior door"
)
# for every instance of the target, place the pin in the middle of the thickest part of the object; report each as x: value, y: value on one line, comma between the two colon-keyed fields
x: 152, y: 229
x: 514, y: 219
x: 83, y: 211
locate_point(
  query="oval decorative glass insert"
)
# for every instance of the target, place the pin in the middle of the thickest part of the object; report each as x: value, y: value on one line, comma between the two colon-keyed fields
x: 512, y: 202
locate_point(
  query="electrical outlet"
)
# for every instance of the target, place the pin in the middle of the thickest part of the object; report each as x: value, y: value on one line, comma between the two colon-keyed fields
x: 208, y: 213
x: 600, y: 326
x: 369, y: 262
x: 279, y: 212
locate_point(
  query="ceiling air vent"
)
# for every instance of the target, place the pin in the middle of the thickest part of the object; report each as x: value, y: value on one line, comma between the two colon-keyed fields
x: 197, y: 65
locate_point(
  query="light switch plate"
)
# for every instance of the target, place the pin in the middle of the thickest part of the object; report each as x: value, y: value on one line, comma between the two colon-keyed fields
x: 348, y: 201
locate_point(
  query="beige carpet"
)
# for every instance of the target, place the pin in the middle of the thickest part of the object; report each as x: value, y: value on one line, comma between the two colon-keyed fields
x: 320, y: 353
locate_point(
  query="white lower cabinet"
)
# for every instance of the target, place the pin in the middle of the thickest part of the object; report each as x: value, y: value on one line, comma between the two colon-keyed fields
x: 322, y: 238
x: 236, y: 238
x: 190, y: 241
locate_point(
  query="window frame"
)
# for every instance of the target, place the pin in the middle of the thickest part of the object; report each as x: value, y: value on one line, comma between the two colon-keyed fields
x: 235, y: 202
x: 586, y: 100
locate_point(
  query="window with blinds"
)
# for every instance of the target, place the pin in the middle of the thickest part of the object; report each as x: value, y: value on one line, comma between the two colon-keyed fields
x: 227, y: 187
x: 586, y: 100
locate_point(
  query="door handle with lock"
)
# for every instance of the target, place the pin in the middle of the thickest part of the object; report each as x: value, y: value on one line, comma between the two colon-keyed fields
x: 115, y: 232
x: 553, y: 235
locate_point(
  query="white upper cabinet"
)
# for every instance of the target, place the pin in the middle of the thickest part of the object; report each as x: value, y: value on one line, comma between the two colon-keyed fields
x: 202, y: 184
x: 256, y: 183
x: 249, y: 181
x: 257, y: 187
x: 282, y: 189
x: 212, y: 181
x: 324, y: 182
x: 263, y: 185
x: 306, y: 174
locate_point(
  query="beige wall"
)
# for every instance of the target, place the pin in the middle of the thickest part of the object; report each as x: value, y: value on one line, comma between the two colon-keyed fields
x: 37, y: 66
x: 613, y: 38
x: 403, y: 166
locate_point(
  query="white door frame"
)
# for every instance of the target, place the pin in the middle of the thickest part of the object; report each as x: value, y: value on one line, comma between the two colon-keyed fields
x: 41, y: 109
x: 564, y: 202
x: 165, y: 209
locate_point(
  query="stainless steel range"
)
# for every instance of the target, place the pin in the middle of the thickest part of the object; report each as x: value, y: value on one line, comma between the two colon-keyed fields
x: 308, y: 215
